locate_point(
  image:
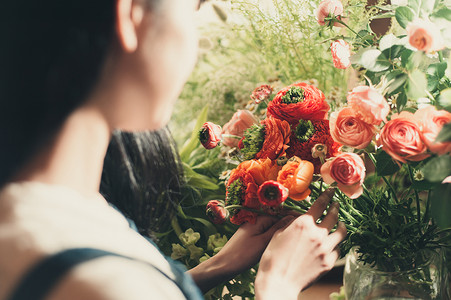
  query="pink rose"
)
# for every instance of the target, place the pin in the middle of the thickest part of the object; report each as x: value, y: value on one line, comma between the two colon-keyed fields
x: 210, y: 135
x: 347, y: 129
x: 329, y: 8
x: 241, y: 120
x: 368, y: 104
x: 402, y: 139
x: 348, y: 171
x: 424, y: 35
x: 341, y: 53
x: 431, y: 122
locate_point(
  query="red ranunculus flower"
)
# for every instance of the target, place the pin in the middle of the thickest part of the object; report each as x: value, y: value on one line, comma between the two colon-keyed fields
x: 272, y: 193
x: 305, y: 135
x: 298, y: 101
x: 268, y: 140
x: 210, y: 135
x: 216, y: 211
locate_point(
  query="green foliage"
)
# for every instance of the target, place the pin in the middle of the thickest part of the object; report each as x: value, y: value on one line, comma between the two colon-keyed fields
x: 253, y: 141
x: 441, y: 203
x: 436, y: 169
x: 385, y: 165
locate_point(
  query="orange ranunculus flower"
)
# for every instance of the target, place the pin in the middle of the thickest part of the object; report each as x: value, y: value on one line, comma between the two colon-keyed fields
x: 261, y: 169
x: 298, y: 101
x: 277, y: 137
x: 431, y: 122
x: 346, y: 128
x: 242, y: 187
x: 296, y: 175
x: 402, y: 138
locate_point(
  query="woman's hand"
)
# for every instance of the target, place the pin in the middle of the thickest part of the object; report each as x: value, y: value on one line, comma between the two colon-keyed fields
x: 240, y: 253
x: 300, y: 252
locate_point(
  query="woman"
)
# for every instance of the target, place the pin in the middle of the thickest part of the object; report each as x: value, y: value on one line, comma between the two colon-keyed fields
x: 70, y: 73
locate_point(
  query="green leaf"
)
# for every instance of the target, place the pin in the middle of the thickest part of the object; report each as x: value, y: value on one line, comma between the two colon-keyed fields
x: 437, y: 168
x: 197, y: 180
x: 193, y: 142
x: 396, y: 79
x: 405, y: 57
x: 404, y: 15
x: 445, y: 99
x: 423, y: 185
x: 401, y: 101
x: 441, y: 205
x: 414, y: 60
x: 394, y: 51
x: 416, y: 85
x: 444, y: 134
x: 435, y: 72
x: 389, y: 40
x: 444, y: 14
x: 385, y: 165
x: 373, y: 60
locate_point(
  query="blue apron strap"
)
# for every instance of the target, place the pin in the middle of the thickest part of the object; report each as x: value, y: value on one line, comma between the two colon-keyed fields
x: 46, y: 274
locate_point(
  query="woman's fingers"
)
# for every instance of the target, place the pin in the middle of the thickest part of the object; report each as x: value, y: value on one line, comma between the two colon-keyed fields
x: 337, y: 236
x: 321, y: 203
x: 331, y: 218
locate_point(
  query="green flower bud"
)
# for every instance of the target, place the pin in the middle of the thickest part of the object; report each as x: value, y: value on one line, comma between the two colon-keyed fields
x: 178, y: 251
x: 189, y: 237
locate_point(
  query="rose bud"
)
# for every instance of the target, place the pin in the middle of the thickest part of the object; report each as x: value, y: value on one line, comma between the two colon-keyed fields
x: 210, y: 135
x: 329, y: 8
x: 216, y: 211
x: 341, y: 54
x: 261, y: 93
x: 272, y: 193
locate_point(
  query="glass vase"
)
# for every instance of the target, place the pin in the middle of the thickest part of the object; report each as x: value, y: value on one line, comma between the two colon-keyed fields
x: 428, y: 280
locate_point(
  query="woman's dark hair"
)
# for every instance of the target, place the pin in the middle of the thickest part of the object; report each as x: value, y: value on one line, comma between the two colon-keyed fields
x: 142, y: 176
x: 51, y: 56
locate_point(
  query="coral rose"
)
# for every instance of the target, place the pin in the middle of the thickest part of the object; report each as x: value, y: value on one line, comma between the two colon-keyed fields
x: 298, y: 101
x: 348, y: 171
x: 431, y: 122
x: 306, y: 135
x: 402, y: 139
x: 347, y: 129
x: 341, y: 54
x: 368, y: 104
x: 210, y: 135
x: 272, y: 193
x: 328, y: 8
x: 424, y: 35
x: 240, y: 121
x: 269, y: 140
x: 296, y: 175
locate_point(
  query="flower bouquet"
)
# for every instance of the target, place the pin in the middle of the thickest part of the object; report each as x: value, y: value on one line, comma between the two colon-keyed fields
x: 387, y: 149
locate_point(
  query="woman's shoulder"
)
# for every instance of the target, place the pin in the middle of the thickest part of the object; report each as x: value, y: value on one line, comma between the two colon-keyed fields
x: 115, y: 278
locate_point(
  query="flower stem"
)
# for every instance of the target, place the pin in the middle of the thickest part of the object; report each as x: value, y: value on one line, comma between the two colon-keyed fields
x: 373, y: 159
x: 225, y: 135
x: 175, y: 225
x: 417, y: 198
